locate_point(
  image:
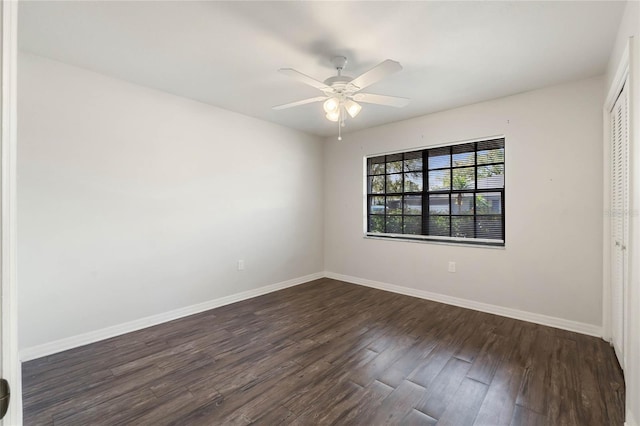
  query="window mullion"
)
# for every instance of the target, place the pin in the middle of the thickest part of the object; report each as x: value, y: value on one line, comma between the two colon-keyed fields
x: 425, y: 192
x: 450, y: 189
x: 475, y: 196
x: 385, y: 194
x: 402, y: 195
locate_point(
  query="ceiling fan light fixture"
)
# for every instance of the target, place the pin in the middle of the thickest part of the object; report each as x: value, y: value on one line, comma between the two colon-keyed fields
x: 331, y: 105
x: 333, y: 115
x: 353, y: 108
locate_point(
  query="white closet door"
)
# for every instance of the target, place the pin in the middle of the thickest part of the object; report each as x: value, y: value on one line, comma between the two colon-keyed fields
x: 619, y: 219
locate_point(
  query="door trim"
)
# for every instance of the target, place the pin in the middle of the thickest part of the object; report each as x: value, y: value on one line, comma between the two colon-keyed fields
x: 10, y: 367
x: 621, y: 76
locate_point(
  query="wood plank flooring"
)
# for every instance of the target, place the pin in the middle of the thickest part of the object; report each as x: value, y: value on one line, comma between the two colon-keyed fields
x: 328, y: 352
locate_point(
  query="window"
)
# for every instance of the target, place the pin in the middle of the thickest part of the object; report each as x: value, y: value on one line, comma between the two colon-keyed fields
x: 453, y: 193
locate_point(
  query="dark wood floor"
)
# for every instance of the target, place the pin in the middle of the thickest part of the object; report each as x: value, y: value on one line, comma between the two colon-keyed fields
x: 329, y: 352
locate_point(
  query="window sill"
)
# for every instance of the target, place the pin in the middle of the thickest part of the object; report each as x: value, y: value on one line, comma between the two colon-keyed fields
x: 498, y: 246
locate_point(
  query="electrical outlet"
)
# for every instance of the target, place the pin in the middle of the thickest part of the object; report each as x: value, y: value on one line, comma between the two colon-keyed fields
x: 452, y: 266
x: 241, y: 265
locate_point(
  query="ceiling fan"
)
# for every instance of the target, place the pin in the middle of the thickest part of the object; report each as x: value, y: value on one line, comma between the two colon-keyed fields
x: 342, y: 93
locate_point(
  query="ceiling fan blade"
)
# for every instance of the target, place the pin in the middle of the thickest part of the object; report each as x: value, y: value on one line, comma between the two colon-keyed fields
x: 370, y: 98
x: 375, y: 74
x: 304, y: 78
x: 302, y: 102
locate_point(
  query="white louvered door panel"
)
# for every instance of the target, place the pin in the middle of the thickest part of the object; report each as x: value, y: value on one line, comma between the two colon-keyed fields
x: 619, y: 220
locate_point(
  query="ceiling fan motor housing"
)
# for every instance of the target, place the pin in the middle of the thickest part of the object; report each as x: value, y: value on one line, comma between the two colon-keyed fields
x: 338, y: 83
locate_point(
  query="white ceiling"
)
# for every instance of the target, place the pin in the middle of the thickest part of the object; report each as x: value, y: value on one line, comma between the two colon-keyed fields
x: 227, y: 53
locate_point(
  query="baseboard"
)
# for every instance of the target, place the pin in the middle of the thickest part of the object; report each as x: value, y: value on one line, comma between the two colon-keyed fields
x: 56, y: 346
x: 578, y: 327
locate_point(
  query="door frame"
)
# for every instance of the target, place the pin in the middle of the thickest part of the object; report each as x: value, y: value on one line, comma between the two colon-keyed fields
x: 10, y: 366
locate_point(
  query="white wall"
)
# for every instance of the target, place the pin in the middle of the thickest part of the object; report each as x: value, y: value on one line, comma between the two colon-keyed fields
x: 630, y: 27
x: 552, y: 262
x: 134, y: 202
